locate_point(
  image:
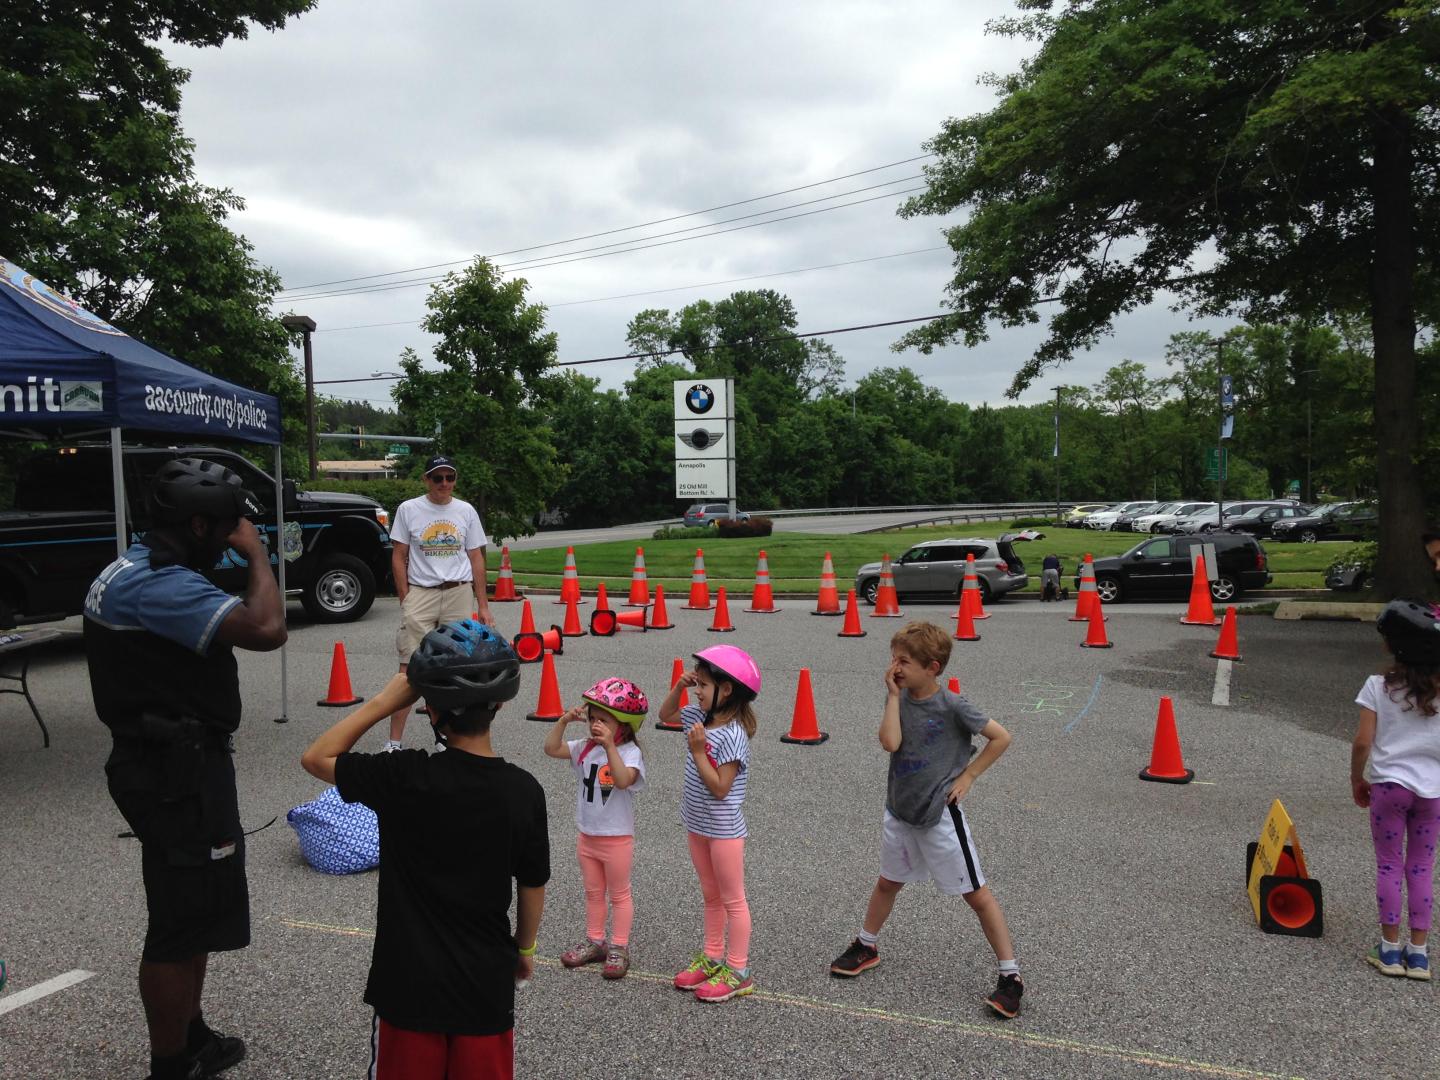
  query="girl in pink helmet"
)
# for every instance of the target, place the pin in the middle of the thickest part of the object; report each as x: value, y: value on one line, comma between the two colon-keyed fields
x: 610, y: 770
x: 717, y: 764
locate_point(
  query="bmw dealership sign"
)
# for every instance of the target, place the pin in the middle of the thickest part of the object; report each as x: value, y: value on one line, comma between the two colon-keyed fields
x: 705, y: 439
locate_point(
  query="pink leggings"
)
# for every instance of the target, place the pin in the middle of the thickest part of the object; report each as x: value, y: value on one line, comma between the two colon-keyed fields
x: 721, y: 867
x: 605, y: 867
x: 1405, y: 828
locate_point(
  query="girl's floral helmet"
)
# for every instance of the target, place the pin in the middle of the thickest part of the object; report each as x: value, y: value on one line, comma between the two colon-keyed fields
x: 622, y: 699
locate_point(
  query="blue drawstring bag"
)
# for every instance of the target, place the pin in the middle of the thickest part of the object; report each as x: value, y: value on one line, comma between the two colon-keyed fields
x: 337, y: 837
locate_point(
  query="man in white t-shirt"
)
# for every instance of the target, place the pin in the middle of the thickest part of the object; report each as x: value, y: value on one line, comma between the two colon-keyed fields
x: 439, y: 567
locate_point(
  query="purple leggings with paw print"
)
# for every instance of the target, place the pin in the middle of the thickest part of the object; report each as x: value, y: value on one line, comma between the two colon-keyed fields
x: 1405, y: 828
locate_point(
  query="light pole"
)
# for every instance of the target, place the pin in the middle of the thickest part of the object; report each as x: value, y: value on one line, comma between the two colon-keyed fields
x: 306, y: 326
x: 1309, y: 394
x: 1056, y: 453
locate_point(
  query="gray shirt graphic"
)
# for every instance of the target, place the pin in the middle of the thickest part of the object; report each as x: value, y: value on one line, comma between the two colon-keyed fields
x: 935, y: 746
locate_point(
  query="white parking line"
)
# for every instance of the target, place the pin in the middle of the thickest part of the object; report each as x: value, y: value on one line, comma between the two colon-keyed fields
x: 1221, y: 694
x: 13, y: 1001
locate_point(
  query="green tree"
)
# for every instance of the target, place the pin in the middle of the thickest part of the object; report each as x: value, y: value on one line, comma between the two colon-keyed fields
x: 1265, y: 157
x: 489, y: 401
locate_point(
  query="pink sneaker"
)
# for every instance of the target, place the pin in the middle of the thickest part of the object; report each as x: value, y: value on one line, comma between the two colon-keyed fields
x: 723, y: 986
x: 701, y: 969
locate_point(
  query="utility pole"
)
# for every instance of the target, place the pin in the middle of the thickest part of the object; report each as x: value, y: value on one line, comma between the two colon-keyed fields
x: 1056, y: 454
x: 306, y: 326
x: 1309, y: 395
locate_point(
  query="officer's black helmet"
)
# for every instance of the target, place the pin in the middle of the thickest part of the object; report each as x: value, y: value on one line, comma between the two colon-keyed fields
x: 186, y: 486
x: 463, y: 664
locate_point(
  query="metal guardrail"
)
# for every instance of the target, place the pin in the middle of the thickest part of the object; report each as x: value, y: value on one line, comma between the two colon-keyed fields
x: 953, y: 509
x: 991, y: 514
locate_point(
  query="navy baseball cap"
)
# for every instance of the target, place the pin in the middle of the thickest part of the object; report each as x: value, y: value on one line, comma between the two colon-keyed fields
x: 440, y: 462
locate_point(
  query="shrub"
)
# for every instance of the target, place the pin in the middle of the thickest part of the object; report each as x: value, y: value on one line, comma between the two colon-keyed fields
x: 755, y: 526
x: 1030, y: 523
x: 681, y: 532
x: 389, y: 493
x: 1364, y: 554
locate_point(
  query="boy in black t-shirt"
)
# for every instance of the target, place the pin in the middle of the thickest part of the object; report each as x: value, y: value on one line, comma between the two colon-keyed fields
x: 455, y: 829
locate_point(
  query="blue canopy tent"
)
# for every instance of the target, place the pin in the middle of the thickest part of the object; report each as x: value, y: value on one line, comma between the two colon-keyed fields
x: 65, y: 371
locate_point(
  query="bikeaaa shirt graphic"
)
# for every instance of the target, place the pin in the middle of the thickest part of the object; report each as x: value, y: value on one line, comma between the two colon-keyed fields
x: 440, y: 539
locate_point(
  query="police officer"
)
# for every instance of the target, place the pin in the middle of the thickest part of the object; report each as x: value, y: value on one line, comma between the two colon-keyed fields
x: 159, y: 640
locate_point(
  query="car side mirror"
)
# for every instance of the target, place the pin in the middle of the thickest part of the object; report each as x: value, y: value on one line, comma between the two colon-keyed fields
x: 290, y: 496
x: 1138, y: 556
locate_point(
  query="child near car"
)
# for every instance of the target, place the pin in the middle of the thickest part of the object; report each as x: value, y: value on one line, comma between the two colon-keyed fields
x: 610, y: 770
x: 925, y: 835
x: 1395, y: 772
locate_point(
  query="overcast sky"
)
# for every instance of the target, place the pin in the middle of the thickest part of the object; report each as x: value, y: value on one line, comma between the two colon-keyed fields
x: 369, y: 139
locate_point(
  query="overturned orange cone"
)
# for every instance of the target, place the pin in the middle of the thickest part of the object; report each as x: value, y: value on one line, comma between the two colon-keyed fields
x: 659, y: 617
x: 340, y: 694
x: 721, y: 622
x: 605, y: 622
x: 1095, y: 635
x: 852, y: 618
x: 1166, y: 764
x: 505, y: 580
x: 828, y: 602
x: 803, y: 727
x: 529, y: 648
x: 1228, y: 647
x: 549, y: 706
x: 639, y: 583
x: 676, y: 671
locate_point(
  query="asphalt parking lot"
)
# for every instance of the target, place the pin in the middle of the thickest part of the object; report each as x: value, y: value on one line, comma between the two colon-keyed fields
x: 1126, y: 899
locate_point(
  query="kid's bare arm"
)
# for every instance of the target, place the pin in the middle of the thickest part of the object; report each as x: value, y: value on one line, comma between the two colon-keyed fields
x: 997, y: 740
x: 717, y: 781
x: 670, y: 707
x: 555, y: 741
x: 529, y: 904
x: 1359, y: 755
x: 319, y: 758
x: 890, y: 719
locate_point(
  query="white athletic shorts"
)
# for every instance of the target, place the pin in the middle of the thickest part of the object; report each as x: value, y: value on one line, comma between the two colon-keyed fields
x: 944, y: 852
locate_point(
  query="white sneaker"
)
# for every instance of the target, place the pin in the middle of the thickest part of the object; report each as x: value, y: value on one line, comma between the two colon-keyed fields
x: 391, y: 746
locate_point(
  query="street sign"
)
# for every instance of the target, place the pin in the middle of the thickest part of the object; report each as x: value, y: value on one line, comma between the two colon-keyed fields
x: 397, y: 450
x: 1217, y: 464
x: 702, y: 479
x: 704, y: 438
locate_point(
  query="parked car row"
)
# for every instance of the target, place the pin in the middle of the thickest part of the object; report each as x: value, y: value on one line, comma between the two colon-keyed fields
x: 1162, y: 567
x: 1279, y: 519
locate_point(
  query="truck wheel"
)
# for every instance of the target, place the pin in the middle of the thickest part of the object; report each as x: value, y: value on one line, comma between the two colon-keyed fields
x: 342, y: 589
x: 1108, y: 589
x: 1224, y: 589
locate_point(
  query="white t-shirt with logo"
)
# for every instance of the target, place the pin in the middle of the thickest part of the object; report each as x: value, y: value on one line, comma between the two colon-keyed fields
x: 441, y: 537
x: 1406, y: 749
x: 601, y: 808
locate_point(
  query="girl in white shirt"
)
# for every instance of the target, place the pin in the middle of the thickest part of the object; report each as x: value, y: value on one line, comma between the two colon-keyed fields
x: 1399, y: 736
x: 610, y: 770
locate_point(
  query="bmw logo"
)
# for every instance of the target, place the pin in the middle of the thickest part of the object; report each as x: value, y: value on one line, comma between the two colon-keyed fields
x: 699, y: 399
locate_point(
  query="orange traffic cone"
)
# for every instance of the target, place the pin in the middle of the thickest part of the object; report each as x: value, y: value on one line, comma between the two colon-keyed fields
x: 527, y: 618
x: 887, y: 604
x: 572, y: 627
x: 954, y: 686
x: 803, y: 728
x: 602, y: 598
x: 1086, y: 594
x: 676, y: 671
x: 605, y: 623
x: 639, y: 583
x: 699, y: 588
x: 505, y: 580
x: 340, y: 695
x: 1200, y: 611
x: 1095, y: 635
x: 532, y: 646
x: 570, y: 583
x: 1166, y: 764
x: 978, y: 612
x: 965, y: 624
x: 851, y: 628
x: 763, y: 601
x: 828, y: 602
x: 549, y: 707
x: 721, y: 623
x: 1228, y: 647
x: 659, y: 617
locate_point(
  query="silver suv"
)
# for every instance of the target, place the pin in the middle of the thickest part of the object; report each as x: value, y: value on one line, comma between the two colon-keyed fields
x: 702, y: 514
x: 935, y: 570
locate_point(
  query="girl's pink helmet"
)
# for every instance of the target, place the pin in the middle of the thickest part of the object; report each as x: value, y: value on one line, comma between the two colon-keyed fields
x: 735, y: 664
x: 621, y: 698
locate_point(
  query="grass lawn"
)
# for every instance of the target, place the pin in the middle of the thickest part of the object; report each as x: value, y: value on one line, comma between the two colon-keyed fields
x: 795, y: 558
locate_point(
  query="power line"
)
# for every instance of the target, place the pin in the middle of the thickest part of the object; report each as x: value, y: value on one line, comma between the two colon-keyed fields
x: 562, y: 261
x: 612, y: 232
x: 675, y: 288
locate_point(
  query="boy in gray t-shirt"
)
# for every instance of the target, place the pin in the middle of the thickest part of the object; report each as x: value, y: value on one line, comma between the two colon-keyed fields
x: 928, y: 731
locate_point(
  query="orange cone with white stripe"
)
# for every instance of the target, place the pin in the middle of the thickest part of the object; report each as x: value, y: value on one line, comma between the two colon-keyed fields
x: 505, y: 580
x: 1200, y: 612
x: 570, y: 583
x: 699, y: 587
x: 828, y: 603
x: 675, y: 672
x: 887, y: 604
x: 970, y: 591
x: 1086, y: 594
x: 639, y: 584
x: 763, y: 601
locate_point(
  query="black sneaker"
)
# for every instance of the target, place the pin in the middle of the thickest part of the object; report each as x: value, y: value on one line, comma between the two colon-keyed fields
x: 217, y: 1055
x: 857, y: 958
x: 194, y: 1072
x: 1006, y: 998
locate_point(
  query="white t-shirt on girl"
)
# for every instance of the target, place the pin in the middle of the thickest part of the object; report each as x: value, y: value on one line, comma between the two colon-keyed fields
x: 601, y: 808
x: 1406, y: 750
x: 702, y: 813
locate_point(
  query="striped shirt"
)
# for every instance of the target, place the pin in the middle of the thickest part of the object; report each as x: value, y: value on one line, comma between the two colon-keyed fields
x: 702, y: 813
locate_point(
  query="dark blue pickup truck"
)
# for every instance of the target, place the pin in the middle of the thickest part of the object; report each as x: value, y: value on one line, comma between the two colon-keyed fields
x: 61, y: 534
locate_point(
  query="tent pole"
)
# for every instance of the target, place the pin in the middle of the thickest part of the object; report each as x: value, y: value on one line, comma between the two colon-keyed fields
x: 117, y: 480
x: 284, y: 717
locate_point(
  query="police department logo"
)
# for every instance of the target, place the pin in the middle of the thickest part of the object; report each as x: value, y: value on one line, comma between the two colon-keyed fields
x: 699, y: 399
x: 700, y: 439
x: 36, y: 291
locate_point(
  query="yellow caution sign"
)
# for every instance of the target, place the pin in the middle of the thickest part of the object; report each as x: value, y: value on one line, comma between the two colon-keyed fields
x: 1277, y: 832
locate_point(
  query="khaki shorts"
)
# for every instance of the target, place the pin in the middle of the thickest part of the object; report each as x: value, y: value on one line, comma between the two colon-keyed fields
x: 425, y: 609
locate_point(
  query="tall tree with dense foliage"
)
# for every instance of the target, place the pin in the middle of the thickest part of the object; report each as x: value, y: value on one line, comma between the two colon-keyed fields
x: 489, y: 402
x: 1269, y: 157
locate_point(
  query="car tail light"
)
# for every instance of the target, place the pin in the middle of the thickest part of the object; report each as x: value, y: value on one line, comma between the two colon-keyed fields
x: 383, y: 517
x: 1259, y: 559
x: 1002, y: 567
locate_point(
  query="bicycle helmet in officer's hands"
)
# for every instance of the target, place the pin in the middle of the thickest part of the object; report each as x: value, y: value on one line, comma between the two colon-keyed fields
x: 187, y: 486
x: 463, y: 664
x: 1412, y: 630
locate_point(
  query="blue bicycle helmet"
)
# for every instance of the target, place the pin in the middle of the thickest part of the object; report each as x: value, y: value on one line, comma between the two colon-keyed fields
x: 462, y: 664
x: 1412, y: 630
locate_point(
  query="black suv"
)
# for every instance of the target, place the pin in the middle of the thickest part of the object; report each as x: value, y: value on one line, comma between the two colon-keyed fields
x: 1161, y: 567
x: 1338, y: 521
x: 61, y: 534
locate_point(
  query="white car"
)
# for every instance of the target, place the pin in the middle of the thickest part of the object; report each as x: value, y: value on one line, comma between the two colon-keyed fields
x: 1104, y: 520
x: 1177, y: 510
